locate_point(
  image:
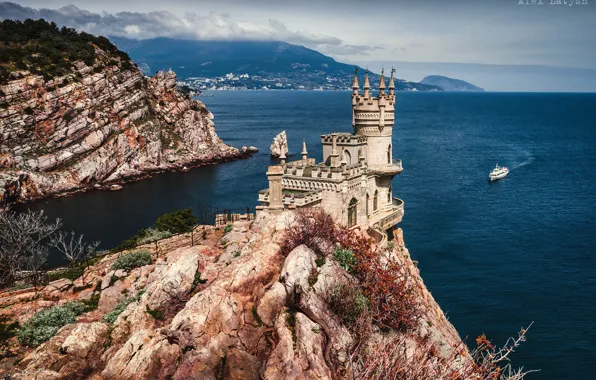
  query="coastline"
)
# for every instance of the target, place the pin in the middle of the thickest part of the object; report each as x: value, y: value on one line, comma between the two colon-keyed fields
x: 14, y: 196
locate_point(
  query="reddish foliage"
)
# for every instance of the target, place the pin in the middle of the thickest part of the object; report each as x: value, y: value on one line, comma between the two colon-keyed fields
x: 384, y: 282
x: 312, y: 227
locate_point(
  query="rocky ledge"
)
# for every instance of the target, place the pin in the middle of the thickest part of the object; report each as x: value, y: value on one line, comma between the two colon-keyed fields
x: 233, y: 306
x: 99, y: 125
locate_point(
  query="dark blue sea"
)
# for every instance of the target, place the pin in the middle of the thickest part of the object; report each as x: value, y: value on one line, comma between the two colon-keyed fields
x: 495, y: 256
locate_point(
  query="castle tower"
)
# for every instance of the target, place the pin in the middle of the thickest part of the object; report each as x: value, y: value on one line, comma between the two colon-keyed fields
x: 374, y: 118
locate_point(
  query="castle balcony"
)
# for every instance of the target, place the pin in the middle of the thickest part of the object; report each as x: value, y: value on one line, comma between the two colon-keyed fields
x: 387, y: 169
x: 384, y: 220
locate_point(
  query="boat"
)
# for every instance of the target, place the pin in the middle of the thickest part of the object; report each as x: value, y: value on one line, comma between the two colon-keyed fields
x: 498, y: 173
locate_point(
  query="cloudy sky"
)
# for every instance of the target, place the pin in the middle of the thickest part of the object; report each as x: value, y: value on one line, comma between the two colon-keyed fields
x: 485, y: 33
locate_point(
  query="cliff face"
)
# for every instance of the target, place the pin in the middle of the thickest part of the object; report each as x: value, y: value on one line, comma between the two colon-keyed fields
x: 232, y: 306
x: 99, y: 124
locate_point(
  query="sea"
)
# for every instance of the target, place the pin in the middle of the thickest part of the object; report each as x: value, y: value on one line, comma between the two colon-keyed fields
x: 496, y: 256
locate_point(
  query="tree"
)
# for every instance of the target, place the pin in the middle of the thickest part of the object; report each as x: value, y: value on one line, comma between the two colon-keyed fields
x: 22, y: 243
x: 73, y: 247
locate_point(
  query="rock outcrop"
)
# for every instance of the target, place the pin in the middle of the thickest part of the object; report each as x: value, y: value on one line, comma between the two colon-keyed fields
x: 98, y: 125
x: 256, y: 314
x: 280, y: 144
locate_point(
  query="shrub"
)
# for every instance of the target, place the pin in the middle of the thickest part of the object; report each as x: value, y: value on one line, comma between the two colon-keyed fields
x: 45, y: 323
x: 386, y: 284
x: 346, y: 259
x: 98, y: 69
x: 228, y: 228
x: 132, y: 260
x: 151, y: 235
x: 311, y: 227
x: 347, y: 302
x: 28, y: 111
x: 71, y: 273
x: 8, y: 329
x: 177, y: 222
x: 113, y: 315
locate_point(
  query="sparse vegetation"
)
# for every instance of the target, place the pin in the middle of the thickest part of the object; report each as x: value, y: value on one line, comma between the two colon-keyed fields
x: 45, y: 49
x: 347, y: 302
x: 346, y: 259
x: 132, y: 260
x: 311, y: 227
x: 113, y: 315
x: 228, y: 228
x: 45, y: 323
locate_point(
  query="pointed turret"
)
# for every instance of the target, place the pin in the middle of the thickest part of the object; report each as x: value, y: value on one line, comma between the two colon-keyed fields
x: 366, y: 86
x: 355, y: 86
x: 382, y: 83
x: 391, y: 84
x: 304, y: 152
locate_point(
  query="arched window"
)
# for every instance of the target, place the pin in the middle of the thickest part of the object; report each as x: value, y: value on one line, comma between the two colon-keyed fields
x: 389, y: 154
x: 352, y: 212
x: 367, y: 204
x: 376, y: 200
x: 347, y: 157
x: 389, y: 196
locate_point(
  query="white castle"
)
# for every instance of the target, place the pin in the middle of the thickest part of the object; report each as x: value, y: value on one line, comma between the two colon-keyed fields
x: 353, y: 183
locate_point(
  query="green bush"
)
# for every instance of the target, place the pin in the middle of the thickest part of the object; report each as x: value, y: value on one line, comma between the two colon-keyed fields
x: 177, y: 222
x: 28, y: 111
x: 151, y: 234
x: 132, y: 260
x: 71, y: 273
x: 113, y: 315
x: 45, y: 323
x: 347, y: 302
x: 346, y: 259
x: 228, y: 228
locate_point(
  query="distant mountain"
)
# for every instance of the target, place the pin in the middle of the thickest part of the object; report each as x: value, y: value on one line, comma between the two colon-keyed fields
x: 450, y: 84
x: 274, y: 64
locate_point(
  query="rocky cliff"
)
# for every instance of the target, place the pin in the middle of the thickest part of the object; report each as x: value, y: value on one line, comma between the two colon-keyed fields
x: 232, y: 306
x: 99, y: 124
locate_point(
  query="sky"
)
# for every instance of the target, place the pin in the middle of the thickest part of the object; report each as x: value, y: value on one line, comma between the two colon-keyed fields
x: 500, y: 44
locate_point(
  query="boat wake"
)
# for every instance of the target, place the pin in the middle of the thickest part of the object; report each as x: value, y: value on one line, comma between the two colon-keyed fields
x: 529, y: 159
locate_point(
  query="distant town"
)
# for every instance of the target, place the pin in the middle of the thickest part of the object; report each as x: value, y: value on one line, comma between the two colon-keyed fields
x: 296, y: 81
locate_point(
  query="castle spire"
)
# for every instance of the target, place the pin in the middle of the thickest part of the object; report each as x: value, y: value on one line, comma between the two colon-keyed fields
x: 304, y: 152
x: 366, y: 86
x: 382, y: 83
x: 355, y: 86
x: 391, y: 84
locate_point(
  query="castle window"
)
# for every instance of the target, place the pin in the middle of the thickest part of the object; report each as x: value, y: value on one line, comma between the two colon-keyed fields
x: 376, y: 200
x: 389, y: 154
x: 347, y: 157
x: 352, y: 209
x: 366, y: 205
x: 389, y: 196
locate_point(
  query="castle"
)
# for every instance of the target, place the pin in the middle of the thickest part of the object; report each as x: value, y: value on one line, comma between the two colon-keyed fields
x: 353, y: 183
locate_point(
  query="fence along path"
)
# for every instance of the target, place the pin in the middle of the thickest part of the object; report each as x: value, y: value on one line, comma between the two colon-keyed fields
x: 160, y: 247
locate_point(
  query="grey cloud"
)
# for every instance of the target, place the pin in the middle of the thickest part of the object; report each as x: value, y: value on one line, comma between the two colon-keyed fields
x: 208, y: 26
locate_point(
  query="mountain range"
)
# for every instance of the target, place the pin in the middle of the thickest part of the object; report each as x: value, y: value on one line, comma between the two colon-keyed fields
x: 450, y: 84
x: 271, y: 64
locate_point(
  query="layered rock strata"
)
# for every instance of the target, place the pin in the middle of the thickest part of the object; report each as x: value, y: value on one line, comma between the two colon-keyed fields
x: 98, y: 125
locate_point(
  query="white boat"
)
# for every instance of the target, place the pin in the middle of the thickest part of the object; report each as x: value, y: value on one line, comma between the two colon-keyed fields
x: 498, y: 173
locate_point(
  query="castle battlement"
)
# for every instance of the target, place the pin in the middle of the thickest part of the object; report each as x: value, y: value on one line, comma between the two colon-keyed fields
x: 354, y: 181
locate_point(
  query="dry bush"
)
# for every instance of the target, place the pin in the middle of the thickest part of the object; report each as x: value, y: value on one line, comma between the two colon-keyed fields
x: 392, y: 297
x: 312, y: 227
x: 391, y: 359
